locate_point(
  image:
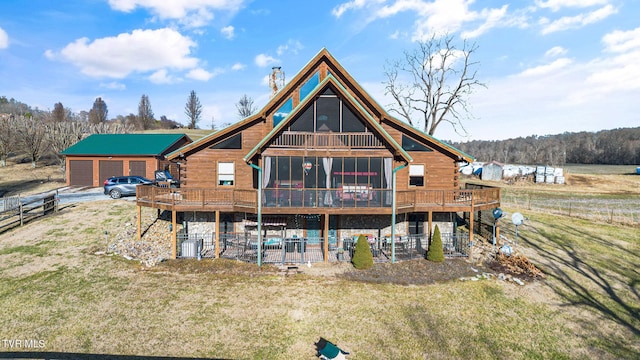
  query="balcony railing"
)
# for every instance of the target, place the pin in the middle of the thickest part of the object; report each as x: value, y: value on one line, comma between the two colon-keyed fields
x: 319, y: 140
x: 348, y: 197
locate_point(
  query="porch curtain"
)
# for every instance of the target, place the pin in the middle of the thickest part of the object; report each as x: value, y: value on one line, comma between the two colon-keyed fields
x: 327, y: 163
x: 266, y: 171
x: 388, y: 176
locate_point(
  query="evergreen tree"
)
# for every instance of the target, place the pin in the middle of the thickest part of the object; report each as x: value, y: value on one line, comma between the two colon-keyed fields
x: 435, y: 253
x: 362, y: 257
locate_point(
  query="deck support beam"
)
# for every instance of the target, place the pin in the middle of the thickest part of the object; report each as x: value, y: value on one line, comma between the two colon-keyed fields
x: 216, y: 234
x: 139, y: 221
x: 326, y: 237
x: 430, y: 221
x: 471, y: 213
x: 174, y: 234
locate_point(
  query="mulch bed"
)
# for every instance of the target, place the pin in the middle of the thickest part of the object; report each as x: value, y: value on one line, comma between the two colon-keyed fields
x: 414, y: 272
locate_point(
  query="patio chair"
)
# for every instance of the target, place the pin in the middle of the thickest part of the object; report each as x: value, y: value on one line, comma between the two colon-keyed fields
x: 328, y: 350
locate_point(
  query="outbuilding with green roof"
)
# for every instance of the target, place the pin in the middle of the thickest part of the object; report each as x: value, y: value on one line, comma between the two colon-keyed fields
x: 100, y: 156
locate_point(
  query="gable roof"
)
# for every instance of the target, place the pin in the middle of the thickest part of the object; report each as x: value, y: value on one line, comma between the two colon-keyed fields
x: 125, y: 144
x: 330, y: 79
x: 367, y: 107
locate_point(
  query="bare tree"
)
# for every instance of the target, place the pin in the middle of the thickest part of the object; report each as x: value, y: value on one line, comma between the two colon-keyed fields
x: 245, y: 106
x: 193, y: 109
x: 59, y: 113
x: 32, y: 136
x: 431, y: 84
x: 110, y: 128
x: 145, y: 114
x: 98, y: 114
x: 7, y: 137
x: 131, y: 120
x: 61, y: 135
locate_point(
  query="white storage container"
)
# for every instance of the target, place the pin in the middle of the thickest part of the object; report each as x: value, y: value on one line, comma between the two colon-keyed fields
x: 189, y: 249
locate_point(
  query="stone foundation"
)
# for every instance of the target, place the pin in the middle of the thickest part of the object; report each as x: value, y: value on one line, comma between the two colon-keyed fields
x: 348, y: 225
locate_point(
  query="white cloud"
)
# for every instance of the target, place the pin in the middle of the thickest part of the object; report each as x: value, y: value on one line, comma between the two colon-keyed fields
x: 4, y: 39
x: 139, y: 51
x: 578, y: 21
x: 263, y: 60
x: 547, y: 68
x: 339, y: 10
x: 114, y: 85
x: 492, y: 18
x: 438, y: 16
x: 618, y: 72
x: 618, y: 41
x: 162, y: 77
x: 599, y: 88
x: 555, y: 52
x: 228, y: 32
x: 238, y: 67
x: 292, y: 47
x: 203, y: 75
x: 556, y: 5
x: 193, y: 13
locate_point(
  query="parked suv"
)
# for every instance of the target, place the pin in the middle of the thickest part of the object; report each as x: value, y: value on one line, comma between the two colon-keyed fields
x: 117, y: 186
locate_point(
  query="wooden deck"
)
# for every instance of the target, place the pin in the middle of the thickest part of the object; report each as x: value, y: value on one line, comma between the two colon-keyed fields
x: 314, y: 201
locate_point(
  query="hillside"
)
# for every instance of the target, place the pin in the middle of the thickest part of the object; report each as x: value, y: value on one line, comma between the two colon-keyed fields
x: 608, y: 147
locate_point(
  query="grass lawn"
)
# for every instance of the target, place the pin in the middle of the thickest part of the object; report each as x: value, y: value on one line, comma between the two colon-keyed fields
x: 55, y: 288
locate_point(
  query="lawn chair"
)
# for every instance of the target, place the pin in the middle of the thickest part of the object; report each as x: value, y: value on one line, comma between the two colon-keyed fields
x: 328, y: 350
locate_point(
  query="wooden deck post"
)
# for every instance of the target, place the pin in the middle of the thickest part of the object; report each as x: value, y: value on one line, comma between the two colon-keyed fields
x: 498, y: 233
x: 430, y: 217
x: 139, y: 222
x: 216, y: 234
x: 326, y: 237
x: 174, y: 235
x: 471, y: 220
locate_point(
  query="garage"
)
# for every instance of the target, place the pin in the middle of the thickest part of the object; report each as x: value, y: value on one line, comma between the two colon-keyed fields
x: 81, y: 172
x: 92, y: 160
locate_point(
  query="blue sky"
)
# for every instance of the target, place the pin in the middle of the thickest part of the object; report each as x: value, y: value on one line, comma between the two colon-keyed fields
x: 550, y: 66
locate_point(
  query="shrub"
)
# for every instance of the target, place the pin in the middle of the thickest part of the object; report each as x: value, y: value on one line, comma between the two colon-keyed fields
x: 362, y: 257
x: 435, y: 253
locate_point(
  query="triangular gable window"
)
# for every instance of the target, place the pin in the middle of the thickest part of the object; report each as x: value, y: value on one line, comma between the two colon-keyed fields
x: 408, y: 144
x: 233, y: 142
x: 328, y: 91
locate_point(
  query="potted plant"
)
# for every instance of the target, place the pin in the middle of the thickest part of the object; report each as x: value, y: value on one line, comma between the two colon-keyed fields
x: 340, y: 254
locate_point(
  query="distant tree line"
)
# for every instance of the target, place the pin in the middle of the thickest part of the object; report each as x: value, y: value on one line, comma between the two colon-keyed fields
x: 606, y: 147
x: 34, y: 132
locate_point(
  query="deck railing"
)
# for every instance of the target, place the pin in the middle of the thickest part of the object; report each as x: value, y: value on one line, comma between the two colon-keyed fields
x: 298, y: 139
x: 204, y: 199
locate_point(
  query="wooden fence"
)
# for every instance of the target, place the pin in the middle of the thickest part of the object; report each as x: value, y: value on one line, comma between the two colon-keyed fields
x: 16, y: 210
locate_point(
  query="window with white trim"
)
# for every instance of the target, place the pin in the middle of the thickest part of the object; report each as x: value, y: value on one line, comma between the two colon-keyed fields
x: 225, y: 173
x: 416, y: 175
